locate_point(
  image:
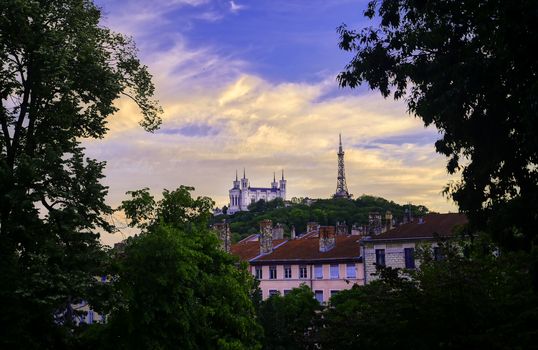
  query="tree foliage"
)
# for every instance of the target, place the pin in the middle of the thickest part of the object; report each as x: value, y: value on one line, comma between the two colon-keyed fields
x: 476, y: 300
x: 175, y: 288
x: 323, y: 211
x: 288, y: 320
x: 60, y: 75
x: 466, y: 67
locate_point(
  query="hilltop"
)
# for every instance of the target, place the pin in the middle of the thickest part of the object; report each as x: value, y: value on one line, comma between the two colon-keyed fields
x: 299, y: 211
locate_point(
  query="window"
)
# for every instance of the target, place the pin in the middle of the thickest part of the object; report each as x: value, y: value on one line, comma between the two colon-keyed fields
x: 273, y: 292
x: 318, y: 270
x: 287, y: 291
x: 302, y: 271
x: 351, y: 271
x: 409, y: 258
x: 259, y: 273
x: 319, y: 296
x: 334, y: 271
x: 287, y: 271
x: 272, y: 272
x: 334, y: 292
x: 380, y: 257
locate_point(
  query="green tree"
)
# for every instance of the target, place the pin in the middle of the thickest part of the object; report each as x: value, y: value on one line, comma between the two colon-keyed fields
x: 288, y: 320
x: 175, y: 288
x: 476, y: 300
x: 60, y: 75
x: 467, y: 68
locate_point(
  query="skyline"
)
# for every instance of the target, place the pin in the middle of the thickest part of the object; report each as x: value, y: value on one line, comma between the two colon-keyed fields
x: 253, y: 85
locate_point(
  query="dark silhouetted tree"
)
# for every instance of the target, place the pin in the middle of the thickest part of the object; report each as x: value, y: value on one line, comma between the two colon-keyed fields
x: 60, y: 75
x: 468, y: 68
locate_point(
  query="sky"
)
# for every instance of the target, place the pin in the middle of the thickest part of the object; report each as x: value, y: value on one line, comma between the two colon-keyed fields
x: 252, y: 85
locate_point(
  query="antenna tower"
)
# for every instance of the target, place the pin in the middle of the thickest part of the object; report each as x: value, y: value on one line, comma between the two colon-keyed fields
x: 341, y: 186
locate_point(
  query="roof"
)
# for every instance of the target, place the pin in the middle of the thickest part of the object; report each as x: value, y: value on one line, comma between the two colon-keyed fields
x: 432, y: 225
x: 307, y: 249
x: 247, y: 250
x: 304, y: 250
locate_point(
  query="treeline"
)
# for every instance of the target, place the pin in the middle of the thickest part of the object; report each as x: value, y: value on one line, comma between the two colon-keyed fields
x: 298, y: 212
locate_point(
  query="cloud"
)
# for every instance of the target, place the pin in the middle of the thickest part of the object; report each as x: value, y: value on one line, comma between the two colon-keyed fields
x: 234, y: 7
x: 221, y: 116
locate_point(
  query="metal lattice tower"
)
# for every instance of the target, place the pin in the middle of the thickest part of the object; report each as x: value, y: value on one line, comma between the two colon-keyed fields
x: 341, y: 186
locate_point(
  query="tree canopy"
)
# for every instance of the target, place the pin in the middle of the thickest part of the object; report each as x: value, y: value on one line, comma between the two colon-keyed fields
x: 323, y: 211
x: 61, y: 73
x: 288, y: 320
x: 468, y: 68
x: 175, y: 288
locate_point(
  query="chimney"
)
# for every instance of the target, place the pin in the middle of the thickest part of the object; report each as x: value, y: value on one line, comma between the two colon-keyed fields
x: 278, y: 231
x: 408, y: 217
x: 388, y: 220
x: 327, y: 238
x: 374, y: 223
x: 341, y: 229
x: 421, y: 220
x: 355, y: 230
x: 312, y: 227
x: 266, y: 236
x: 224, y: 234
x: 292, y: 233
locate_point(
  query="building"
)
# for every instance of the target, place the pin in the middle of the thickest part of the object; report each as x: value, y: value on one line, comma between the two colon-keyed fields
x: 396, y: 247
x: 322, y: 259
x: 242, y: 195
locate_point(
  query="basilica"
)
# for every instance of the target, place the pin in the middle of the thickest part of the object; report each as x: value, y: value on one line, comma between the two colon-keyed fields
x: 242, y: 195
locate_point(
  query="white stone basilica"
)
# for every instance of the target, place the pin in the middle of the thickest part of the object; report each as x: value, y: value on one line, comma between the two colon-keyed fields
x: 242, y: 195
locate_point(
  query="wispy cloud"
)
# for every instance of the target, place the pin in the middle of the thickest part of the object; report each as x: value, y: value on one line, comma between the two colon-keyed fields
x: 235, y: 7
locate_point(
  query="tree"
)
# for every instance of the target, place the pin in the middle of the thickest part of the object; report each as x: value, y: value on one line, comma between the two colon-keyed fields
x: 175, y: 288
x: 467, y: 68
x: 472, y: 299
x: 288, y: 320
x: 60, y: 75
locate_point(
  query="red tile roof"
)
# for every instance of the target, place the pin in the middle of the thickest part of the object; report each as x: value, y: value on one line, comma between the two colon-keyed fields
x: 304, y: 250
x: 247, y: 250
x: 431, y: 226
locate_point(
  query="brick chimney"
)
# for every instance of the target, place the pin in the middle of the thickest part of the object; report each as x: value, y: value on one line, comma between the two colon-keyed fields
x: 312, y: 227
x: 341, y: 229
x: 327, y: 238
x: 374, y: 223
x: 388, y: 220
x: 266, y: 236
x: 278, y: 231
x: 224, y: 234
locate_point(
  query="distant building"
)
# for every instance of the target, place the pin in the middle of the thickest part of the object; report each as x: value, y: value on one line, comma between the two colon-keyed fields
x: 242, y: 195
x: 396, y: 247
x: 325, y: 258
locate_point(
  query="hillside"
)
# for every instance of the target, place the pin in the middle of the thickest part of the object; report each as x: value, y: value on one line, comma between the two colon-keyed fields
x: 323, y: 211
